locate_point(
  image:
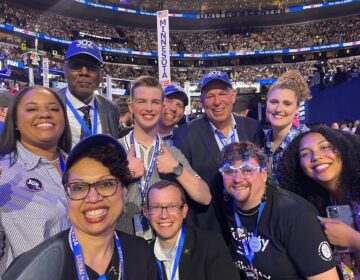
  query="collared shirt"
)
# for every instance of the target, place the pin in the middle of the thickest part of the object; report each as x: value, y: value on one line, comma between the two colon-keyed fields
x: 75, y: 126
x: 232, y: 131
x: 167, y: 138
x: 167, y: 256
x: 276, y: 155
x: 33, y: 203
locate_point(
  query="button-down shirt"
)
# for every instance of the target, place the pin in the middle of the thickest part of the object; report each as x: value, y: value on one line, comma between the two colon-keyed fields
x: 276, y: 155
x: 167, y: 257
x: 33, y: 203
x: 232, y: 131
x: 75, y: 126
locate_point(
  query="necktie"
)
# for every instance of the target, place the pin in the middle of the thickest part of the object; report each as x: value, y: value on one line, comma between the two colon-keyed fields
x: 86, y: 111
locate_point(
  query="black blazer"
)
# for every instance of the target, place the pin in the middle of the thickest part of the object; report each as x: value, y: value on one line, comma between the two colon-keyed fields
x: 108, y: 113
x: 197, y: 142
x: 53, y: 259
x: 205, y: 257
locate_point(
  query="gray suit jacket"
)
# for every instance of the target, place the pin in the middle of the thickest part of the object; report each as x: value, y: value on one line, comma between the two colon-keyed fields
x: 108, y: 113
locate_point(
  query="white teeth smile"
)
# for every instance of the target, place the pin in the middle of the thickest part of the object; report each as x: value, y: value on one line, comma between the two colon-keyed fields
x: 44, y: 125
x: 95, y: 213
x: 322, y: 167
x: 217, y: 110
x: 165, y: 225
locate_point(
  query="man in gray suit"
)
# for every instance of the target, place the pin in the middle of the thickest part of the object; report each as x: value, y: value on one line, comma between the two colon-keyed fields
x: 88, y: 112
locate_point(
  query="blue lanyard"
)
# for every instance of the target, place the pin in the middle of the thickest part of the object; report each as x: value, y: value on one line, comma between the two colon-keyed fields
x: 81, y: 121
x: 222, y: 137
x: 79, y: 257
x: 177, y: 256
x: 150, y: 169
x: 248, y: 252
x: 62, y: 163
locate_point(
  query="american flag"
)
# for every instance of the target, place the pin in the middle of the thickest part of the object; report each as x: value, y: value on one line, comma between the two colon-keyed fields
x: 165, y: 83
x: 162, y: 14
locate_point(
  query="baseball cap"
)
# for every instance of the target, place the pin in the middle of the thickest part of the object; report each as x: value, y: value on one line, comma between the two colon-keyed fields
x: 93, y: 141
x: 172, y: 89
x: 5, y: 98
x: 83, y: 47
x: 215, y: 76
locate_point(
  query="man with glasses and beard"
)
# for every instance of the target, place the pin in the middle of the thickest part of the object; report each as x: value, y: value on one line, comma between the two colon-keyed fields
x: 89, y: 113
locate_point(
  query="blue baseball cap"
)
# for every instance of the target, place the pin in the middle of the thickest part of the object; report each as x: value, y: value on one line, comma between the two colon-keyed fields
x: 215, y: 76
x: 93, y: 141
x: 172, y: 89
x: 84, y: 47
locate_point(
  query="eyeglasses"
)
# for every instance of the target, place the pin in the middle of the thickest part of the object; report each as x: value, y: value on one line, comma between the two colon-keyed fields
x: 172, y: 209
x: 80, y: 190
x: 78, y: 65
x: 246, y: 170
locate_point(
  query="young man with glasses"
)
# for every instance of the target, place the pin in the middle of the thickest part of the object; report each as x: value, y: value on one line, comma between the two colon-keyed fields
x: 89, y: 113
x: 150, y: 159
x: 274, y: 233
x: 202, y: 140
x: 182, y: 251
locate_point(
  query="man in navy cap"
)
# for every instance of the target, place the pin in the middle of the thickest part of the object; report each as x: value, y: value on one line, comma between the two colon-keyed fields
x: 202, y: 140
x: 175, y: 102
x: 88, y: 112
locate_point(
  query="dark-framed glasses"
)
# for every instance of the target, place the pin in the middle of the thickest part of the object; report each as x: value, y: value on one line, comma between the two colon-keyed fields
x: 75, y: 65
x: 80, y: 190
x: 246, y: 170
x: 171, y: 209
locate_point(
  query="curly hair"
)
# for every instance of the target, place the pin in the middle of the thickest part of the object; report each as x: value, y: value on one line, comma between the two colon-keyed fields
x: 292, y: 80
x: 295, y: 180
x: 108, y: 156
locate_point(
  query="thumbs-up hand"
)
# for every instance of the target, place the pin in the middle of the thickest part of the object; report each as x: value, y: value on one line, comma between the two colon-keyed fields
x: 165, y: 162
x: 136, y: 165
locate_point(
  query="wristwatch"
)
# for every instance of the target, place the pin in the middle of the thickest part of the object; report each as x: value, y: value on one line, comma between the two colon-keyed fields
x: 178, y: 170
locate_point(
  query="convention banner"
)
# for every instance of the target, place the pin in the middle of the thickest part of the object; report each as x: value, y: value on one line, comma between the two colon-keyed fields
x: 45, y: 66
x: 163, y: 47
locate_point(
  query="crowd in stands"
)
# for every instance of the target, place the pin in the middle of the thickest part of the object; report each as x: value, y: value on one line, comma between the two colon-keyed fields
x: 188, y: 6
x: 266, y: 38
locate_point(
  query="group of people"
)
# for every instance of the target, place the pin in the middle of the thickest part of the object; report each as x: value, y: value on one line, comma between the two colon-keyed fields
x: 264, y: 38
x: 210, y: 197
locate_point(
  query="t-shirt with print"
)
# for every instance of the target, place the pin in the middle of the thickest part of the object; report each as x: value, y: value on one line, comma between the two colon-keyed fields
x: 293, y: 245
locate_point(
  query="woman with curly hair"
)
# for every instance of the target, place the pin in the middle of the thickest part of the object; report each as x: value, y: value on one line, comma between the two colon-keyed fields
x: 282, y: 106
x: 323, y: 166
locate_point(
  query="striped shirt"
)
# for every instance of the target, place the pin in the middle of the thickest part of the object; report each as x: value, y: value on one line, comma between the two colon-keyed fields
x: 33, y: 204
x: 133, y: 197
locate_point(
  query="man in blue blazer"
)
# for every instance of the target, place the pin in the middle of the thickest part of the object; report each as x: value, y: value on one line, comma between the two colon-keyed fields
x: 182, y: 251
x: 88, y: 113
x: 202, y: 139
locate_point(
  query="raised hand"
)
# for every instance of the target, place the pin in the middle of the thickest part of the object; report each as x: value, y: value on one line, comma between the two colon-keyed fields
x: 136, y: 165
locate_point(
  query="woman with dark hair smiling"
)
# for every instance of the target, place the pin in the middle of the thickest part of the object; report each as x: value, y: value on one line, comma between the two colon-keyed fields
x: 35, y: 139
x: 323, y: 166
x: 96, y: 179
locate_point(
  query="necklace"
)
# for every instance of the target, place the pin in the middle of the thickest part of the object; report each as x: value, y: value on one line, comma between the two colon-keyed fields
x: 247, y: 214
x: 55, y: 161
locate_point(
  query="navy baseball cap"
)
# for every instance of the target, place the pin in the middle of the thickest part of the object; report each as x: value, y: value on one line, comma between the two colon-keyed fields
x: 215, y: 76
x: 84, y: 47
x: 93, y: 141
x: 172, y: 89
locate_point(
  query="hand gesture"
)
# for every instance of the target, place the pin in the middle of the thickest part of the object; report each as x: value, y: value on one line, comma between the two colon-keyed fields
x: 338, y: 233
x: 136, y: 165
x: 165, y: 162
